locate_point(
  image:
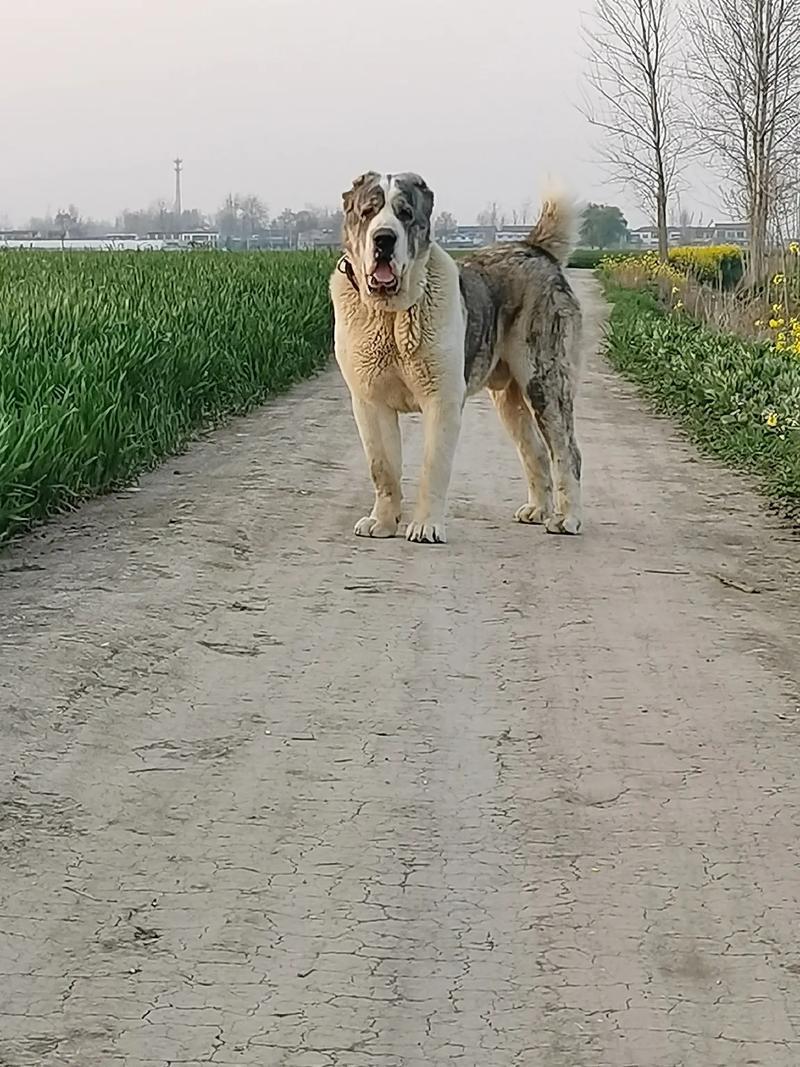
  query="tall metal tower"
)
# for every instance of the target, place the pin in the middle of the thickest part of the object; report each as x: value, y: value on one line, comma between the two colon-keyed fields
x: 178, y: 203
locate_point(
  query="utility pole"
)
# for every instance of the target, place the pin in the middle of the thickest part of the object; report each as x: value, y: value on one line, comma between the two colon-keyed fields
x: 178, y: 205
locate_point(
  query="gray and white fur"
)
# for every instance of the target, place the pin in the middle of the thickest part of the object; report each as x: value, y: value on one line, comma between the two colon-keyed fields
x: 417, y: 333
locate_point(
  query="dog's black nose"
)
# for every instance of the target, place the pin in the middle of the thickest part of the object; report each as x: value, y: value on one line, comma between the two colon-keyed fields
x: 384, y: 240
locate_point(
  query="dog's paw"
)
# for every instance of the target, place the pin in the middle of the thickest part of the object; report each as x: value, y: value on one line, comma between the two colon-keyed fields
x: 426, y: 532
x: 563, y: 524
x: 532, y: 514
x: 370, y: 526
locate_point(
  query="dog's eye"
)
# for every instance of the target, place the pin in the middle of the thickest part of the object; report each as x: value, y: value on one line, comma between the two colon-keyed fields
x: 367, y: 213
x: 404, y: 213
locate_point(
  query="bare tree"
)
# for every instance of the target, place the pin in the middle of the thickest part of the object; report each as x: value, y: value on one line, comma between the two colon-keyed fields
x: 631, y: 100
x: 491, y: 215
x: 254, y: 214
x: 242, y: 216
x: 681, y: 219
x: 68, y: 222
x: 328, y: 218
x: 744, y: 72
x: 444, y: 224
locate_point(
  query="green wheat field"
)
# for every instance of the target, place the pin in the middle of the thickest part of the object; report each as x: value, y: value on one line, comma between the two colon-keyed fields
x: 110, y: 362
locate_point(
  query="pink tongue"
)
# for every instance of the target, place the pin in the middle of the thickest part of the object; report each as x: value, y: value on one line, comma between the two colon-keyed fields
x: 383, y: 273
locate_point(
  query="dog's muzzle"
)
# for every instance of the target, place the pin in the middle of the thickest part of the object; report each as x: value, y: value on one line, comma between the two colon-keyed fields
x: 383, y: 278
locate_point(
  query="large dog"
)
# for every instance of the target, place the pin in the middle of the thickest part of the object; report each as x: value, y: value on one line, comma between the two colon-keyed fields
x: 416, y: 332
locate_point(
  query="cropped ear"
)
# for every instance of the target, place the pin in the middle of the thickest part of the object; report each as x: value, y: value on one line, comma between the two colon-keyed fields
x: 426, y: 193
x: 358, y: 183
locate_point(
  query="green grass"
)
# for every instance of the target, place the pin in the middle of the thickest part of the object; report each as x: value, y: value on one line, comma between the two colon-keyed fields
x: 110, y: 362
x: 581, y: 258
x: 719, y: 387
x: 589, y: 258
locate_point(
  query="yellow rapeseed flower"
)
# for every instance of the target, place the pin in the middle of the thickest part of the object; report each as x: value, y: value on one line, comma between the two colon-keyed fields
x: 794, y: 248
x: 778, y: 279
x: 771, y: 419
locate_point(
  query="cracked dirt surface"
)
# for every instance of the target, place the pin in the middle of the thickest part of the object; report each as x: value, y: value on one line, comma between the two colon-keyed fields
x: 274, y: 796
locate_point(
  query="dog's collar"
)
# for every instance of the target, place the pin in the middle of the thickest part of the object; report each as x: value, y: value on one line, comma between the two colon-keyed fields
x: 344, y: 266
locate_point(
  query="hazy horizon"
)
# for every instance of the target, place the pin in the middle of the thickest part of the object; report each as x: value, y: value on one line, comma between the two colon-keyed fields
x: 257, y: 97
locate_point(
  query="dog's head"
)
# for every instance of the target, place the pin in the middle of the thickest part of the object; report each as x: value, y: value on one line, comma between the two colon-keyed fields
x: 387, y: 234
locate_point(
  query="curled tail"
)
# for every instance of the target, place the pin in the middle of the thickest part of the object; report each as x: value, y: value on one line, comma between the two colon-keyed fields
x: 556, y: 230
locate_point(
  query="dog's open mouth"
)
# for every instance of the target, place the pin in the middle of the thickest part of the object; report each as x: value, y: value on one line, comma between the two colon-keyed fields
x: 383, y: 279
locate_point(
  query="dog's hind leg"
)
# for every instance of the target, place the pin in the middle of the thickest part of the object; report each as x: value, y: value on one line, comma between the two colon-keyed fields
x: 551, y: 398
x: 380, y: 435
x: 533, y: 452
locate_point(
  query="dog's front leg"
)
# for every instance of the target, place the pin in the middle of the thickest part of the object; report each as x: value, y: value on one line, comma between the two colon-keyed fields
x: 441, y: 420
x: 380, y: 436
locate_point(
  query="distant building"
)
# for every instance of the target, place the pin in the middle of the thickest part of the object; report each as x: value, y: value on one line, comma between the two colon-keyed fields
x: 731, y: 233
x: 716, y: 233
x: 469, y: 237
x: 321, y: 239
x: 112, y: 242
x: 200, y: 239
x: 506, y: 234
x: 77, y: 244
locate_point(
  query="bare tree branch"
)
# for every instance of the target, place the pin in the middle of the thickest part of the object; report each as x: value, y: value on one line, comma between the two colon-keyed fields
x: 744, y: 74
x: 631, y: 101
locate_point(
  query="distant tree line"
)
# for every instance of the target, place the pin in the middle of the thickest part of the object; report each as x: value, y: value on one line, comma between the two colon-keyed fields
x: 244, y: 217
x: 241, y: 218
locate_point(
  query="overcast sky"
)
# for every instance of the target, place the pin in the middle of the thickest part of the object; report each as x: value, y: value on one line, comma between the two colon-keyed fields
x: 290, y: 99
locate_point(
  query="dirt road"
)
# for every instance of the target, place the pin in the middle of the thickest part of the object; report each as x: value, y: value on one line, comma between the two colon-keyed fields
x: 275, y: 796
